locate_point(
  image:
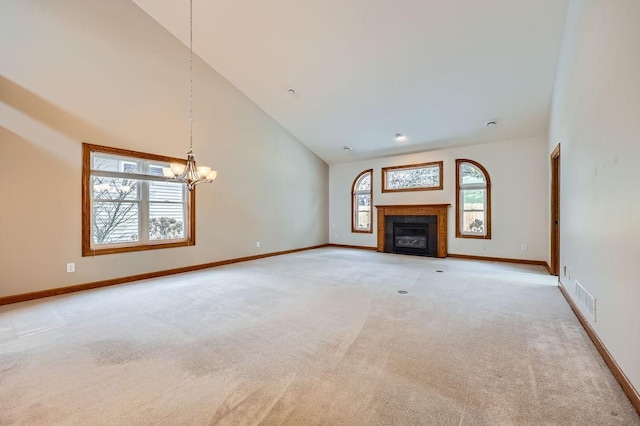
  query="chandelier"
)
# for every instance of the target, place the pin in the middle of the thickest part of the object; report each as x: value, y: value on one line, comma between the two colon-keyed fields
x: 189, y: 173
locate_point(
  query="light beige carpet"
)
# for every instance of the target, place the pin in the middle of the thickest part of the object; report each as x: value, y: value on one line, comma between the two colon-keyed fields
x: 317, y: 337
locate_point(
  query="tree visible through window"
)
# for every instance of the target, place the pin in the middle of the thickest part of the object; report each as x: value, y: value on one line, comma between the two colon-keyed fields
x: 361, y: 202
x: 473, y: 207
x: 129, y: 205
x: 414, y: 177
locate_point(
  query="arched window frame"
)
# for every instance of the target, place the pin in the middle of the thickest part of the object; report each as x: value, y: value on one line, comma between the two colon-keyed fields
x: 354, y: 194
x: 459, y: 202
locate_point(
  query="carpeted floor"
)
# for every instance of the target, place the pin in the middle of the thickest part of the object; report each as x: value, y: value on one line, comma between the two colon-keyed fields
x: 316, y: 337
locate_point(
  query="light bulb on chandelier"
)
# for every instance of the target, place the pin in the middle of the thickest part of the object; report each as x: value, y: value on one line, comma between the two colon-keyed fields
x: 190, y: 173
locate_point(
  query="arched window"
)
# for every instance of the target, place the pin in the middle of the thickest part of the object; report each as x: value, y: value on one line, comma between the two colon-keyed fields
x: 473, y: 206
x: 361, y: 202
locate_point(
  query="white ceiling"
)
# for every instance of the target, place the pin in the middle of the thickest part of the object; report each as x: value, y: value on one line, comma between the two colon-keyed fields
x: 364, y: 70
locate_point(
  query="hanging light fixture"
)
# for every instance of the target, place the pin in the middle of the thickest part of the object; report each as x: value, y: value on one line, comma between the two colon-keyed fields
x: 189, y: 173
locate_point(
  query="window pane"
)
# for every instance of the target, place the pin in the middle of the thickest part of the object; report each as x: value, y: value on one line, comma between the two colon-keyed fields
x: 166, y: 221
x: 156, y: 169
x: 115, y: 222
x: 473, y: 199
x: 473, y: 222
x: 116, y: 189
x: 363, y: 212
x: 363, y: 200
x: 364, y: 184
x: 423, y: 177
x: 166, y: 191
x: 363, y: 219
x: 114, y: 164
x: 471, y: 174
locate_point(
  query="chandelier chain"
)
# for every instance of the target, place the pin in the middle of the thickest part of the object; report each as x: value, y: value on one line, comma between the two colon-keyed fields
x: 189, y: 173
x: 191, y: 74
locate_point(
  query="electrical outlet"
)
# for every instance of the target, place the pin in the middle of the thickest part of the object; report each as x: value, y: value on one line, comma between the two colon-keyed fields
x: 524, y: 247
x: 258, y: 244
x: 71, y: 267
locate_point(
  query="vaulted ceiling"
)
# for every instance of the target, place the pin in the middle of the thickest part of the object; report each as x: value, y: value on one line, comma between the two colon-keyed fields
x: 364, y: 70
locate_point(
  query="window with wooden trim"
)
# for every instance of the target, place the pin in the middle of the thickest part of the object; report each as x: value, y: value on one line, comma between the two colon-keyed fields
x: 362, y: 202
x: 412, y: 177
x: 128, y: 205
x: 473, y: 206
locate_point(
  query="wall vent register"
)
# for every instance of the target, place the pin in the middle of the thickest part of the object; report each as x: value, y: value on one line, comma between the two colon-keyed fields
x: 586, y: 300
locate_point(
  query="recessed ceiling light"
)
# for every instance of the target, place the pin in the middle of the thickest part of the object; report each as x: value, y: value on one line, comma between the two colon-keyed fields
x: 399, y: 137
x: 346, y: 148
x: 491, y: 124
x: 291, y: 91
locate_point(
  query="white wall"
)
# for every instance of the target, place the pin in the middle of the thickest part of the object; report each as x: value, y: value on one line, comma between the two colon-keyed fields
x: 596, y: 118
x: 519, y: 194
x: 106, y: 73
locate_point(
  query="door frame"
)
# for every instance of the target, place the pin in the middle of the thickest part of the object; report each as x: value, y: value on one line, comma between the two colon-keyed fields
x: 555, y: 212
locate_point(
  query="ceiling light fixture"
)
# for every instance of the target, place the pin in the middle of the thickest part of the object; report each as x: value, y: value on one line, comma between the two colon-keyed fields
x: 292, y: 91
x: 346, y: 148
x: 189, y: 173
x: 399, y: 137
x: 491, y: 124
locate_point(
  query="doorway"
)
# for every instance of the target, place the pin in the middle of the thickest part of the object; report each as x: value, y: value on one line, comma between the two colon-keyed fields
x: 555, y: 211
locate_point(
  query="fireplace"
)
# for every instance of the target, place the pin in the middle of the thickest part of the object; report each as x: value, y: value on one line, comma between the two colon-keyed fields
x: 410, y: 237
x: 415, y: 235
x: 407, y: 228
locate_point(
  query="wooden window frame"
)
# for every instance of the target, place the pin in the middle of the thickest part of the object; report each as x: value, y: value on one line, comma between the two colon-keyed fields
x: 87, y: 250
x: 440, y: 165
x: 353, y: 203
x: 459, y: 233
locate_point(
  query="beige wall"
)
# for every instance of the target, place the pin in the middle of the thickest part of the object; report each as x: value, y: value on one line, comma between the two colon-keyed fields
x: 596, y: 118
x: 519, y: 196
x: 105, y: 72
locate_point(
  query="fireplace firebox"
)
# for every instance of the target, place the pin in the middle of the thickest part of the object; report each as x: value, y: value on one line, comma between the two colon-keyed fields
x: 408, y: 236
x: 415, y: 235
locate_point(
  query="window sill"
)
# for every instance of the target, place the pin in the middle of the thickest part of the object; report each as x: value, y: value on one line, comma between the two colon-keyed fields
x: 476, y: 237
x: 113, y: 250
x: 355, y: 231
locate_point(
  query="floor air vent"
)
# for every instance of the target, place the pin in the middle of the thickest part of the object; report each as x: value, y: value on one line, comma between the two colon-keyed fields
x: 585, y: 298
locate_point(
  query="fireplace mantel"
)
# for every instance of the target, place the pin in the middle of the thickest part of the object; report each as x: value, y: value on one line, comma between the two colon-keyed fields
x: 439, y: 210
